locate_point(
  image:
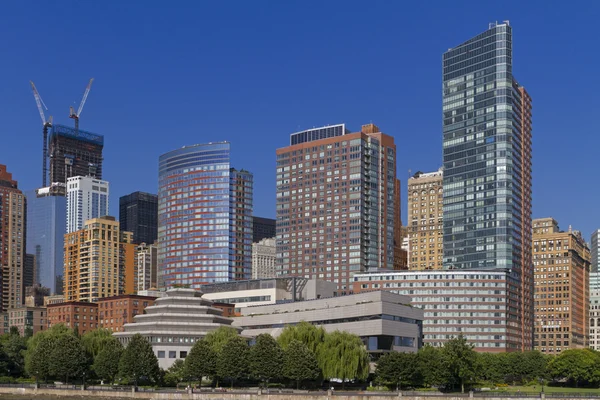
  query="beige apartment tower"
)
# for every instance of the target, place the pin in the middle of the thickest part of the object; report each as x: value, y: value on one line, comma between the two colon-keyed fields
x: 561, y: 287
x: 98, y: 261
x: 425, y: 213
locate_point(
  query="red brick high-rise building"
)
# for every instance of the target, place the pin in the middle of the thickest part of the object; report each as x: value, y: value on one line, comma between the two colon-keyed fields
x: 337, y: 204
x: 12, y: 241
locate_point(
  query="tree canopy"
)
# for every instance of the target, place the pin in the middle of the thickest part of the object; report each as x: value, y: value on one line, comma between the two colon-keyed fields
x: 343, y: 356
x: 106, y: 363
x: 217, y: 339
x: 139, y: 361
x: 299, y: 363
x: 232, y: 362
x: 266, y: 359
x: 201, y: 361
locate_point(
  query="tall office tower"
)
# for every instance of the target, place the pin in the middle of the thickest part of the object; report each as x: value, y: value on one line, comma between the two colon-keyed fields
x: 147, y: 262
x: 487, y: 172
x: 562, y: 267
x: 400, y: 253
x: 29, y: 277
x: 263, y: 259
x: 73, y: 152
x: 204, y: 217
x: 262, y: 228
x: 46, y: 228
x: 96, y: 261
x: 425, y: 210
x: 13, y: 208
x: 87, y: 198
x: 336, y: 204
x: 138, y: 213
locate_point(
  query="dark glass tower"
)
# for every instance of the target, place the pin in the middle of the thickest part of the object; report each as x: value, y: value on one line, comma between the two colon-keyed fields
x: 262, y: 228
x: 487, y: 171
x: 138, y: 213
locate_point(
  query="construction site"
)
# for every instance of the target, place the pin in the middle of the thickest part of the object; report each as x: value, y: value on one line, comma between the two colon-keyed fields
x: 69, y: 151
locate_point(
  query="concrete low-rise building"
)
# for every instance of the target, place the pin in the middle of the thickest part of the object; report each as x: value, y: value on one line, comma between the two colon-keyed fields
x: 174, y: 323
x: 480, y: 305
x: 268, y: 291
x: 384, y: 321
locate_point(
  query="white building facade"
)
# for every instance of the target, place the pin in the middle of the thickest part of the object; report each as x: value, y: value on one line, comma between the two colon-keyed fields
x: 147, y: 262
x: 595, y: 319
x: 263, y: 259
x: 87, y: 198
x: 174, y: 323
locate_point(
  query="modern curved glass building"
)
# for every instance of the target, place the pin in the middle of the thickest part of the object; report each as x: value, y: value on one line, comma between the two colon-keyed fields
x: 204, y: 217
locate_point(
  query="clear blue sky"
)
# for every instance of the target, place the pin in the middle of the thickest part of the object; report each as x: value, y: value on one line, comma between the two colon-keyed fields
x: 176, y: 73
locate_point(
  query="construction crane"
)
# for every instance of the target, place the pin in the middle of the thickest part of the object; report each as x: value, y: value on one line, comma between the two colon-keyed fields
x: 47, y: 123
x: 72, y: 113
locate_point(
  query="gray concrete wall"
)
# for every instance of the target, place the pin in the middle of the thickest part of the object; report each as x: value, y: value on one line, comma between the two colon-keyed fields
x: 44, y: 393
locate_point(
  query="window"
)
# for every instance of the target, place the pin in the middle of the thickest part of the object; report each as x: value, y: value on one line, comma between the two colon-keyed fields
x: 161, y: 354
x: 172, y: 354
x: 182, y: 354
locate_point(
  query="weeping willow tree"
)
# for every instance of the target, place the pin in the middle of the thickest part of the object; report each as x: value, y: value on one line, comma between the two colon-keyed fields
x: 96, y: 340
x: 343, y: 355
x: 303, y: 332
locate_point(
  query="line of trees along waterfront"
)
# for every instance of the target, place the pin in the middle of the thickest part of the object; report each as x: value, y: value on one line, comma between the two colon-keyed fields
x: 303, y: 355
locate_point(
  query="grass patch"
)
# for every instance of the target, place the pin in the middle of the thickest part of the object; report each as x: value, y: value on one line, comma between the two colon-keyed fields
x: 547, y: 389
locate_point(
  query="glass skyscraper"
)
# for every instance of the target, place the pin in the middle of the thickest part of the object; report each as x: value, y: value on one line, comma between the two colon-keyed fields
x: 138, y: 213
x: 487, y: 171
x: 204, y: 217
x: 46, y: 216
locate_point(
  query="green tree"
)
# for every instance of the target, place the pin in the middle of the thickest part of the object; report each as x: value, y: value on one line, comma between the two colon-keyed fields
x: 460, y: 360
x: 398, y: 369
x: 217, y: 339
x: 266, y: 359
x: 139, y: 361
x: 232, y: 362
x: 38, y: 360
x: 41, y: 365
x: 13, y: 330
x: 343, y: 355
x: 430, y: 363
x: 14, y: 347
x: 68, y: 358
x: 578, y: 366
x: 94, y: 341
x: 303, y: 332
x: 175, y: 374
x: 299, y: 363
x: 106, y: 363
x: 201, y: 361
x: 490, y: 368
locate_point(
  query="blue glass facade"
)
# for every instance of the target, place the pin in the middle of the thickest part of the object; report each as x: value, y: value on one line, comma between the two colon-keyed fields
x: 46, y: 216
x: 487, y: 170
x: 197, y: 228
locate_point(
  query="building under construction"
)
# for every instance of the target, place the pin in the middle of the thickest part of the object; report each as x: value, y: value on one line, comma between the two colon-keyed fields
x: 73, y: 152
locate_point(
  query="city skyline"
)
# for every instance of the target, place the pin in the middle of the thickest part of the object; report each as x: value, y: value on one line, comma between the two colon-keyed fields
x: 407, y: 123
